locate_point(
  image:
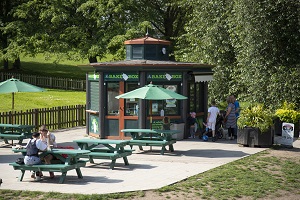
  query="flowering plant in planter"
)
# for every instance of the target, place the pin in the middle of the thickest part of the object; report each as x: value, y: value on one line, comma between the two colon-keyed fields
x: 256, y: 116
x: 288, y: 113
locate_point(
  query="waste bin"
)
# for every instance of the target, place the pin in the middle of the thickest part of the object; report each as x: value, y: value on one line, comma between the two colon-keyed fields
x: 179, y: 127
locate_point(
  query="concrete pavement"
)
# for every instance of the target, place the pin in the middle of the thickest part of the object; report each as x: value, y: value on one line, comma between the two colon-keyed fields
x: 146, y: 170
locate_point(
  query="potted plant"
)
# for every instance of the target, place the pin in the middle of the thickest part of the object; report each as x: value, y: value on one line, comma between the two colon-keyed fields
x: 255, y: 125
x: 287, y: 114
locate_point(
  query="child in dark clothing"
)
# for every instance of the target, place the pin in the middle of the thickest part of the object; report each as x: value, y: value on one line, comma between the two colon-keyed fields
x: 192, y: 124
x: 166, y: 123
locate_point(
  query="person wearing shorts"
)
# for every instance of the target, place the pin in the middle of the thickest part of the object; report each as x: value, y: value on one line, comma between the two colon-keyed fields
x: 212, y: 114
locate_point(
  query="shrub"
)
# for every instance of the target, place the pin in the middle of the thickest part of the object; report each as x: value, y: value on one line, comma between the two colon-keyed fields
x: 256, y: 116
x: 288, y: 113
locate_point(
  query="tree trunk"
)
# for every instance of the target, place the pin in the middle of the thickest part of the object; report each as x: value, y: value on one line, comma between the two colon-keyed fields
x: 5, y: 64
x: 93, y: 59
x: 17, y: 63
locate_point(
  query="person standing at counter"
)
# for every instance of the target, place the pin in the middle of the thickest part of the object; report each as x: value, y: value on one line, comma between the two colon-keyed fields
x: 212, y: 113
x: 230, y: 118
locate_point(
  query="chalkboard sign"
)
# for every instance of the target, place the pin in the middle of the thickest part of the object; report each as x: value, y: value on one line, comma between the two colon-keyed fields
x: 94, y: 95
x: 157, y: 124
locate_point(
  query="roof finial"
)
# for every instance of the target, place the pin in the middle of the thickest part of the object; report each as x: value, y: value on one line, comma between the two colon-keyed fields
x: 147, y: 34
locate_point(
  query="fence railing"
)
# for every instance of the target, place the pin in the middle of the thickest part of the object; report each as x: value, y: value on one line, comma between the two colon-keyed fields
x: 54, y: 118
x: 47, y: 82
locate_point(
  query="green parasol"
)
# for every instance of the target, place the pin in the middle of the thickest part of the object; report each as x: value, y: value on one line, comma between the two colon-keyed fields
x: 15, y: 85
x: 151, y: 92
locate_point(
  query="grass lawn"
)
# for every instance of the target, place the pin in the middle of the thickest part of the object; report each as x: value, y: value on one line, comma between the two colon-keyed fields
x: 49, y: 98
x: 48, y: 67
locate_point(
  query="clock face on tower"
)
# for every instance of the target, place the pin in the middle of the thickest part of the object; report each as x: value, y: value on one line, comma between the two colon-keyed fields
x: 164, y: 50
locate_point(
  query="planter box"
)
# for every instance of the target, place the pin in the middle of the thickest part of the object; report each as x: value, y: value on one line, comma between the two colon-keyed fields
x: 250, y: 136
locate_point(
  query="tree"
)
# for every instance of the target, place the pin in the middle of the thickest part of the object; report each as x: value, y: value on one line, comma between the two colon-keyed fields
x: 255, y: 45
x: 9, y: 48
x: 265, y: 35
x: 208, y: 41
x: 74, y: 29
x: 163, y: 19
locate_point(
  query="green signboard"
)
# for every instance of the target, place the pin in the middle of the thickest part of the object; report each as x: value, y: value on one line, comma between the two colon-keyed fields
x: 121, y: 76
x: 93, y: 77
x: 164, y: 76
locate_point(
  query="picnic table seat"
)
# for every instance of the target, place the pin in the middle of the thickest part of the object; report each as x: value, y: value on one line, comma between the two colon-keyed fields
x: 105, y: 153
x: 6, y: 137
x: 63, y: 168
x: 162, y: 143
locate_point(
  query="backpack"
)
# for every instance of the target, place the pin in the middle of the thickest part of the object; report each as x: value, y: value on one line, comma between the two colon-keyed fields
x: 32, y: 150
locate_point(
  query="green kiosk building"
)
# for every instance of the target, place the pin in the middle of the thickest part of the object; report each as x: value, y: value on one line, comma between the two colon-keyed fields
x: 147, y: 60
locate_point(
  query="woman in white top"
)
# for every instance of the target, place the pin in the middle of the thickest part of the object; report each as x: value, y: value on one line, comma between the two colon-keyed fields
x: 48, y: 139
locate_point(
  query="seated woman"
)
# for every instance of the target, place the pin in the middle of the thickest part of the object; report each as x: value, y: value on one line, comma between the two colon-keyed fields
x: 48, y: 139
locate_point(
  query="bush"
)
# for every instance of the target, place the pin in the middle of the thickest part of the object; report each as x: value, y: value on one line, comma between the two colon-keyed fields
x: 256, y: 116
x: 288, y: 113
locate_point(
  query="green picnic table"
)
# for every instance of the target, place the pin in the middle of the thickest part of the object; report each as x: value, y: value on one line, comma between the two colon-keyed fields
x: 152, y: 137
x: 15, y: 132
x: 105, y: 149
x: 69, y: 160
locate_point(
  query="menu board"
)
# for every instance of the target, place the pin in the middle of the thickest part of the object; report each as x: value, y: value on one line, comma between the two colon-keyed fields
x: 94, y: 95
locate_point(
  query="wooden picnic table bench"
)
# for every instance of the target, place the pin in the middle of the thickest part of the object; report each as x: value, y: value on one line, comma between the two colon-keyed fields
x: 69, y: 162
x: 151, y: 137
x: 15, y: 132
x: 111, y: 150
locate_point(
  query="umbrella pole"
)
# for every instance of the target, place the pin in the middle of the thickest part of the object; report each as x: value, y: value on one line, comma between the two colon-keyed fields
x: 150, y: 112
x: 13, y: 101
x: 13, y: 107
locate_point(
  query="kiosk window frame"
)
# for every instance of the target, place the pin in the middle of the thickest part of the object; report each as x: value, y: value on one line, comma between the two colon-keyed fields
x: 112, y: 90
x: 131, y: 105
x: 170, y: 107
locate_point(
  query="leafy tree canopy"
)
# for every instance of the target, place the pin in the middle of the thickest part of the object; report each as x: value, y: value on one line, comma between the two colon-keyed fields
x: 255, y: 45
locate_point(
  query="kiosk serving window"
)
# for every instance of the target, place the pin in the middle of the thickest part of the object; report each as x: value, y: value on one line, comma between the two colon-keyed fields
x: 131, y: 105
x: 112, y: 102
x: 166, y: 107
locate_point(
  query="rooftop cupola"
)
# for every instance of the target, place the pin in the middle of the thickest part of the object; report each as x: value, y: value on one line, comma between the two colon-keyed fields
x: 147, y: 48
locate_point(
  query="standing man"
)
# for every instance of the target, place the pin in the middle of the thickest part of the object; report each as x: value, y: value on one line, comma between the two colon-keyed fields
x: 212, y: 114
x: 237, y: 112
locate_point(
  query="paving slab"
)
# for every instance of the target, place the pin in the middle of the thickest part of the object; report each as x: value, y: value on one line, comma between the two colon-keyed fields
x: 146, y: 170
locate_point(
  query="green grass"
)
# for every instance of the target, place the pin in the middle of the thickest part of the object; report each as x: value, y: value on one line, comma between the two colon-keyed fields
x: 253, y: 177
x: 256, y: 176
x: 49, y: 67
x: 49, y: 98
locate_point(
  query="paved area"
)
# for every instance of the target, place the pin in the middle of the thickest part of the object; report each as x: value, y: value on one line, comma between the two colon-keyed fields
x: 147, y: 169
